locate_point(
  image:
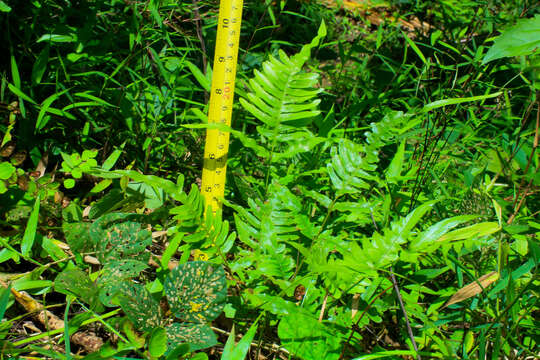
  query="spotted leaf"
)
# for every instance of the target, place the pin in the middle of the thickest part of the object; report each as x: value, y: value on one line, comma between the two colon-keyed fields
x: 198, y: 336
x: 76, y: 282
x: 114, y: 277
x: 196, y: 291
x: 140, y: 307
x: 120, y: 236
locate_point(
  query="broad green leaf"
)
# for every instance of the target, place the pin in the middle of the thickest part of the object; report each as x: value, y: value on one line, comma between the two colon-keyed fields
x: 196, y: 291
x: 308, y: 339
x: 198, y: 336
x: 31, y: 228
x: 434, y: 232
x: 69, y: 183
x: 157, y: 345
x: 140, y: 307
x: 106, y: 204
x: 76, y: 282
x: 6, y: 170
x: 521, y: 39
x: 116, y: 237
x: 178, y: 352
x: 78, y: 236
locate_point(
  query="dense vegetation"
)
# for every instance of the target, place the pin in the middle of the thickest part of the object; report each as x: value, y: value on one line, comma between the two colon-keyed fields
x: 382, y: 191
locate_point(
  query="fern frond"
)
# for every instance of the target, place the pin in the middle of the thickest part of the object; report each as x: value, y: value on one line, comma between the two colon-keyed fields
x: 266, y: 228
x: 349, y: 170
x: 283, y: 98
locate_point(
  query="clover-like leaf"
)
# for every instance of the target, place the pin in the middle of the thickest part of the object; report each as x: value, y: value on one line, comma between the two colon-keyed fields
x: 196, y: 291
x: 198, y: 336
x: 140, y: 307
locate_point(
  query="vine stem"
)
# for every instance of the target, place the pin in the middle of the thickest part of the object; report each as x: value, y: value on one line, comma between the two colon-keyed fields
x: 400, y: 300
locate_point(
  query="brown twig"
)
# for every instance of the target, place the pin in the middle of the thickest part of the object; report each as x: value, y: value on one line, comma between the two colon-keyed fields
x: 89, y: 341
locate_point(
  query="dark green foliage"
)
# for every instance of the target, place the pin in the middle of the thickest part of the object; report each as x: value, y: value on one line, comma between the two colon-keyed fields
x: 77, y: 283
x: 373, y: 175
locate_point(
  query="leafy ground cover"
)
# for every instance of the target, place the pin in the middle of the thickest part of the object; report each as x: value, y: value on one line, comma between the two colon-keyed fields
x: 382, y: 191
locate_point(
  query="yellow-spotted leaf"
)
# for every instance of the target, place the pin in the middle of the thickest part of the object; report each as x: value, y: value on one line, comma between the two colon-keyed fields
x: 196, y: 291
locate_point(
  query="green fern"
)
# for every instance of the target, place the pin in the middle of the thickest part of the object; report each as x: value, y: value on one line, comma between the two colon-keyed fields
x: 267, y: 227
x: 283, y: 98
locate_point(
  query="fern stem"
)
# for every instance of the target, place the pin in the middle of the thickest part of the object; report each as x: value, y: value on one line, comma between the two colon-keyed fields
x: 330, y: 208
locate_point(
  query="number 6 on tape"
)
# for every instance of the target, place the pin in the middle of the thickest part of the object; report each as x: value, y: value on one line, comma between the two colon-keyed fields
x: 221, y: 102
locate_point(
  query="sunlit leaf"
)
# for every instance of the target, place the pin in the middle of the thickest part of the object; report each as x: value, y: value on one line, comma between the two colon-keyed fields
x: 196, y: 291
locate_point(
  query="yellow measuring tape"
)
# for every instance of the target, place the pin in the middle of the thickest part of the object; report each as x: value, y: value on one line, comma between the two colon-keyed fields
x: 221, y: 101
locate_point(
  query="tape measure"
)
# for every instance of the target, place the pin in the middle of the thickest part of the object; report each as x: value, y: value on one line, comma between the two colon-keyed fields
x: 221, y: 101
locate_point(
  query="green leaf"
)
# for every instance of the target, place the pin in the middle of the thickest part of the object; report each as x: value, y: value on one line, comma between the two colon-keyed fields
x: 157, y: 345
x: 6, y: 170
x: 76, y: 282
x: 196, y: 291
x: 111, y: 160
x: 431, y: 236
x: 40, y: 66
x: 106, y: 204
x: 476, y: 230
x: 240, y: 350
x: 116, y: 237
x: 15, y: 90
x: 41, y: 119
x: 140, y: 307
x: 30, y: 231
x: 308, y: 339
x: 78, y: 236
x: 383, y: 354
x: 178, y: 352
x: 4, y: 7
x: 4, y: 299
x: 445, y: 102
x: 198, y: 336
x: 199, y: 76
x: 69, y: 183
x: 394, y: 169
x: 521, y: 39
x: 57, y: 38
x: 415, y: 48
